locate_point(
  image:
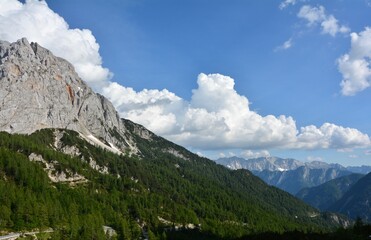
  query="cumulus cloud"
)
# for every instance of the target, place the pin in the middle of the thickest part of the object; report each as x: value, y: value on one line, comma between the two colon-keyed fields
x: 317, y: 15
x: 286, y: 3
x: 355, y: 65
x: 38, y: 23
x: 218, y: 117
x: 331, y: 136
x: 157, y: 110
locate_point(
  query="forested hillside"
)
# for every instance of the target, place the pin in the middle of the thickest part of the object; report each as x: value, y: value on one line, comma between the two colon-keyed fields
x: 326, y: 194
x: 44, y: 184
x: 355, y: 203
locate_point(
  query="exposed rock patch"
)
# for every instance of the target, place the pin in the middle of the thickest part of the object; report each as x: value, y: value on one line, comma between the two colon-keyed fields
x: 176, y: 153
x: 66, y: 175
x: 102, y: 169
x: 74, y: 151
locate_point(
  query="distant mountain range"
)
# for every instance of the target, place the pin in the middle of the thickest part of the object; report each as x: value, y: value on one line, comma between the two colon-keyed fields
x: 293, y: 181
x: 327, y: 187
x: 326, y: 194
x: 260, y: 164
x: 291, y: 175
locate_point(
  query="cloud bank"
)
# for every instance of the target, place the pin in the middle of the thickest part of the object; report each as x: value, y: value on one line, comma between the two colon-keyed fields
x: 38, y: 23
x: 317, y: 15
x: 216, y: 116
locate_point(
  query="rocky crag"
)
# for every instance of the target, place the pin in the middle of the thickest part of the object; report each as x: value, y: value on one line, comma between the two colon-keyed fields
x: 39, y: 90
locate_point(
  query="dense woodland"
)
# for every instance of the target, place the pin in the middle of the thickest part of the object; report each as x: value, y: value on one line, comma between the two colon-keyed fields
x: 152, y: 194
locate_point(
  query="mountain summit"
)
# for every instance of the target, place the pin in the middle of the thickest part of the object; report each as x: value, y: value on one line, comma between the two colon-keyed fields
x: 39, y: 90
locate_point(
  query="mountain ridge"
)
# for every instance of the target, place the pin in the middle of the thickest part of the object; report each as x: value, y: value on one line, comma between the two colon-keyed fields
x: 272, y: 163
x: 290, y: 175
x: 293, y: 181
x: 54, y: 96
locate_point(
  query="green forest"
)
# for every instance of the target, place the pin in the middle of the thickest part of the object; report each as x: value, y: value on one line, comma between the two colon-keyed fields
x: 155, y: 194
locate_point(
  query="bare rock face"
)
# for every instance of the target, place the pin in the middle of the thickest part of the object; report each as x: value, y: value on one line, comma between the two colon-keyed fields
x: 39, y: 90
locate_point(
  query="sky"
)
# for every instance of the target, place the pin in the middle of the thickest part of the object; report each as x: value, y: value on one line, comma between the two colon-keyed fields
x: 286, y: 78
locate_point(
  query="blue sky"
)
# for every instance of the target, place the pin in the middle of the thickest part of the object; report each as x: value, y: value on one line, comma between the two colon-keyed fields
x: 284, y: 57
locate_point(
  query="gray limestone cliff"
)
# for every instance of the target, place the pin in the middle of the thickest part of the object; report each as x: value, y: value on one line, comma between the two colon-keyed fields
x: 39, y: 90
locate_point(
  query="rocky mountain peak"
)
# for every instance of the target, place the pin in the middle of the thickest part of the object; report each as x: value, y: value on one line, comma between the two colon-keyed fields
x: 39, y: 90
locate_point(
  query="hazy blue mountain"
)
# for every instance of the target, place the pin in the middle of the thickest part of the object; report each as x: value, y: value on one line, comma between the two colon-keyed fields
x: 356, y: 202
x: 326, y: 194
x: 277, y: 164
x: 290, y: 175
x: 294, y: 180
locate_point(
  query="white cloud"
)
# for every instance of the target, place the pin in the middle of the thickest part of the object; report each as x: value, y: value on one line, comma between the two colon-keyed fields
x: 331, y: 136
x: 217, y: 117
x: 286, y: 3
x: 217, y: 113
x: 355, y: 65
x: 317, y: 15
x: 368, y: 152
x: 314, y: 158
x: 286, y: 45
x: 38, y: 23
x: 313, y: 15
x: 157, y: 110
x: 9, y: 6
x: 222, y: 155
x: 330, y: 25
x: 247, y: 154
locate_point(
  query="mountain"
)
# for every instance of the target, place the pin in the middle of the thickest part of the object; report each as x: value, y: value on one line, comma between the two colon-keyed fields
x: 326, y: 194
x: 260, y: 164
x: 278, y: 164
x: 294, y: 180
x: 287, y: 174
x: 39, y: 90
x: 356, y: 202
x: 68, y: 162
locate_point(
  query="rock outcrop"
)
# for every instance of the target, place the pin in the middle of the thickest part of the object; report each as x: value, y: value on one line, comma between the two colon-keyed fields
x: 39, y: 90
